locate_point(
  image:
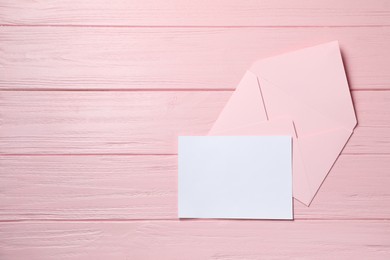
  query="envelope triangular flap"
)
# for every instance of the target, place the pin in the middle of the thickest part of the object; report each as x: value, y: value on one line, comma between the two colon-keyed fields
x: 320, y: 152
x: 244, y: 107
x: 316, y: 77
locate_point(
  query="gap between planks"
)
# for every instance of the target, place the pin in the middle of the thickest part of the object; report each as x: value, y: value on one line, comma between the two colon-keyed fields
x: 134, y: 154
x: 147, y: 90
x: 194, y: 220
x: 192, y: 26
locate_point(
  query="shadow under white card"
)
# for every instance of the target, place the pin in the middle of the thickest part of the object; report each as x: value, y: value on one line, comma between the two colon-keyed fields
x: 241, y: 177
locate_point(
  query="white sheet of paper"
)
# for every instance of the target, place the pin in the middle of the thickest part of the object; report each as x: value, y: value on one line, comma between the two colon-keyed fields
x: 243, y: 177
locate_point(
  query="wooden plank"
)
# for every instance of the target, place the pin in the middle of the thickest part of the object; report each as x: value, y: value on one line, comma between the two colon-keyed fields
x: 173, y: 58
x: 145, y: 187
x: 191, y: 13
x: 369, y: 140
x: 143, y: 122
x: 104, y: 122
x: 216, y: 240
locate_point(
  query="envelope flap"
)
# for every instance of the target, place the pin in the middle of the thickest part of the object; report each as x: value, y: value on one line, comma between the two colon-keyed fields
x: 320, y: 152
x: 316, y: 77
x: 244, y: 107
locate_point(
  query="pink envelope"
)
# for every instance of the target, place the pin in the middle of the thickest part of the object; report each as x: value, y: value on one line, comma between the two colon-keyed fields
x: 303, y: 94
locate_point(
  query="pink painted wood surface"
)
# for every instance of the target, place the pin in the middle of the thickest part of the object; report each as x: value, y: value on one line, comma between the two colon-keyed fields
x: 94, y: 93
x: 190, y: 13
x: 173, y: 58
x: 139, y: 122
x: 120, y: 187
x: 215, y: 240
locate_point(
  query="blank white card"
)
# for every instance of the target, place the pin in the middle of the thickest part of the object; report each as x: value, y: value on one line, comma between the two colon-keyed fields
x: 244, y: 177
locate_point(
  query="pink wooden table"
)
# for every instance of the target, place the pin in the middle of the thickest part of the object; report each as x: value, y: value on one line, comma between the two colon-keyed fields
x: 93, y: 94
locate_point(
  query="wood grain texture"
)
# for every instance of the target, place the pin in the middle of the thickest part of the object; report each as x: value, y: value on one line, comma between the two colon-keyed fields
x: 139, y: 122
x: 195, y: 13
x: 145, y: 187
x: 215, y: 240
x: 104, y: 122
x: 173, y: 58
